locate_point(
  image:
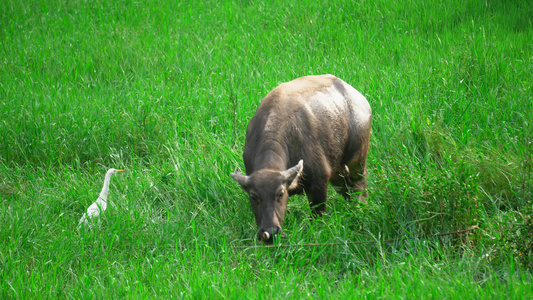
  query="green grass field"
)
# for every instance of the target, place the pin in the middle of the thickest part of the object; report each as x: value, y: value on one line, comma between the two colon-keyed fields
x: 165, y: 91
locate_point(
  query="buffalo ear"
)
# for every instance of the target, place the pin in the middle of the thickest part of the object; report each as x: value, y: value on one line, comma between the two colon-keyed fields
x: 242, y: 180
x: 293, y: 174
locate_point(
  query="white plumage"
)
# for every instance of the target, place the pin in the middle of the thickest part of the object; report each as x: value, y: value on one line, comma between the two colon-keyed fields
x: 100, y: 205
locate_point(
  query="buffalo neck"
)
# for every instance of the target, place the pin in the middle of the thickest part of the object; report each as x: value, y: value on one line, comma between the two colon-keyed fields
x: 269, y: 154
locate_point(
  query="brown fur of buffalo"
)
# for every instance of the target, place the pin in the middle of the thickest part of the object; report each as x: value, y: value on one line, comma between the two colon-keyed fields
x: 305, y: 134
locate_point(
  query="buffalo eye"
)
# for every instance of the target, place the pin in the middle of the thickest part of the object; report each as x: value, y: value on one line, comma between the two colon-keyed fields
x: 279, y: 195
x: 254, y: 199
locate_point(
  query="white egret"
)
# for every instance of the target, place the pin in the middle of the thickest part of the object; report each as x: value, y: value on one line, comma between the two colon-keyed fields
x: 100, y: 205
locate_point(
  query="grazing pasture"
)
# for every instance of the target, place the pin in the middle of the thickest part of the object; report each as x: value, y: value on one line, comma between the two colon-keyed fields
x: 165, y: 90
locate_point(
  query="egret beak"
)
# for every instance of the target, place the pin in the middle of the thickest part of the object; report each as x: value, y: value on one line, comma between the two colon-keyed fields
x: 120, y: 171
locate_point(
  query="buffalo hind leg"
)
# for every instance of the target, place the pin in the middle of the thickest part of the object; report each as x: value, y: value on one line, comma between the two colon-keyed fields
x: 356, y: 181
x: 351, y: 181
x: 356, y: 169
x: 341, y: 181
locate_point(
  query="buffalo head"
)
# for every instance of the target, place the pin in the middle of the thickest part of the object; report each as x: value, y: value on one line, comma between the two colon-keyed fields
x: 268, y: 191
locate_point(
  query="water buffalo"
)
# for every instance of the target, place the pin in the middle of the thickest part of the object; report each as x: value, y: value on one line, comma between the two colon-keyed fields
x: 305, y: 133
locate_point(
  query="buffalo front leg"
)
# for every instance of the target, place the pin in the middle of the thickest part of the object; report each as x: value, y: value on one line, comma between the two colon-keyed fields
x: 317, y: 195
